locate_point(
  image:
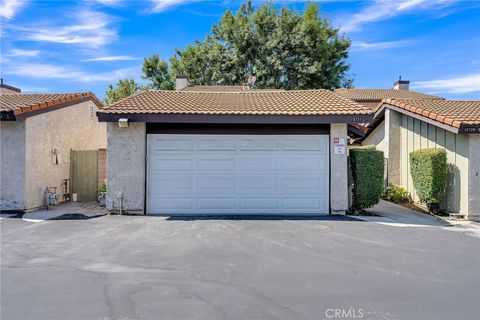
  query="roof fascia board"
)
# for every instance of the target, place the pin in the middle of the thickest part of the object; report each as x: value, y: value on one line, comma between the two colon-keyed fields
x: 422, y: 118
x: 230, y: 118
x: 32, y: 113
x: 6, y: 86
x: 356, y: 131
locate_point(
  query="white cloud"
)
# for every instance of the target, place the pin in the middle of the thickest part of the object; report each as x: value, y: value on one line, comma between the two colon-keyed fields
x: 49, y: 71
x: 23, y: 53
x: 409, y: 4
x: 109, y: 2
x: 463, y: 84
x: 112, y: 58
x: 362, y: 46
x: 384, y: 9
x: 92, y: 29
x: 9, y: 8
x: 162, y: 5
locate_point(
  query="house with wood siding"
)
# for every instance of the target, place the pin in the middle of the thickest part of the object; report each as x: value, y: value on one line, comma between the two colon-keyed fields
x: 401, y: 126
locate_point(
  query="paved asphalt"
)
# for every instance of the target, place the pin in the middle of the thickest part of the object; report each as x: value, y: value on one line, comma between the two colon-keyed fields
x: 124, y: 267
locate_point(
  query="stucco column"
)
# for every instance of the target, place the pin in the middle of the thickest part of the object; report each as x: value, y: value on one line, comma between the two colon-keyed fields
x: 393, y: 122
x: 126, y: 153
x: 473, y: 177
x: 338, y: 170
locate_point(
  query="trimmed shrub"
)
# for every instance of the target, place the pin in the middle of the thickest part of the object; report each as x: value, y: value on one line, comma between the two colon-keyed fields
x: 429, y: 170
x: 367, y: 172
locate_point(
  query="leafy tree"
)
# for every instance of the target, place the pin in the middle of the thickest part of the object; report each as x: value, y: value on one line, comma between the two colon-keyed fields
x: 158, y: 73
x: 123, y: 89
x: 281, y: 48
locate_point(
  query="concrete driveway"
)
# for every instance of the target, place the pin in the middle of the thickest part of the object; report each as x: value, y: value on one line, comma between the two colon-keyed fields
x: 126, y: 267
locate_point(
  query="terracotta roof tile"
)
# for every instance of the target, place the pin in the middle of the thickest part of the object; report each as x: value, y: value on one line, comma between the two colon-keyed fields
x: 294, y: 102
x: 20, y: 103
x: 365, y: 95
x: 224, y: 89
x: 454, y: 113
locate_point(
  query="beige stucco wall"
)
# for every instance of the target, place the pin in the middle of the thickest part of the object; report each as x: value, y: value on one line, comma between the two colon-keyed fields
x: 126, y: 167
x: 338, y: 171
x: 416, y: 134
x: 74, y: 127
x: 12, y: 165
x: 376, y: 137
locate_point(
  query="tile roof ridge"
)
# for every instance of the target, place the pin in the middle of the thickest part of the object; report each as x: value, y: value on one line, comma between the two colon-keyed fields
x: 254, y: 91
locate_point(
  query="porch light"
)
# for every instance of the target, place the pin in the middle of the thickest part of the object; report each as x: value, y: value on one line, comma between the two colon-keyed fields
x: 123, y: 122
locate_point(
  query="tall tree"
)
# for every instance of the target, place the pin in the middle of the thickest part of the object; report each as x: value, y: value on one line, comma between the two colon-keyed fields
x: 280, y: 47
x: 157, y: 72
x: 123, y: 89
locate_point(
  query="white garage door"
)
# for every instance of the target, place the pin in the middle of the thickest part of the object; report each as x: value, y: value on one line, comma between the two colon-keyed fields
x: 237, y: 174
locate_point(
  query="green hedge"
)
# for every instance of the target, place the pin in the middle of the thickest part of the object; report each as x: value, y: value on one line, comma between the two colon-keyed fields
x: 429, y: 169
x: 367, y: 172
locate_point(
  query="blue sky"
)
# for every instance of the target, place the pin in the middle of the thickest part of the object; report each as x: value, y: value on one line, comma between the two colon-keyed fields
x: 74, y: 46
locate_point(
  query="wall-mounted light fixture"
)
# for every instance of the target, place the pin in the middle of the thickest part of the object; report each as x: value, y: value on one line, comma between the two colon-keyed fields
x: 123, y: 122
x: 55, y: 153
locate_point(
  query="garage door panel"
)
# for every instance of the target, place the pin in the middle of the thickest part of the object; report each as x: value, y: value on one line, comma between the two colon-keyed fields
x: 302, y: 203
x: 259, y: 203
x: 159, y: 182
x: 160, y: 145
x: 303, y: 182
x: 216, y: 164
x: 306, y: 186
x: 217, y: 203
x: 258, y: 163
x: 238, y: 174
x: 258, y: 144
x: 216, y: 145
x: 209, y: 184
x: 303, y: 145
x: 302, y: 164
x: 258, y: 183
x: 171, y: 203
x: 171, y: 165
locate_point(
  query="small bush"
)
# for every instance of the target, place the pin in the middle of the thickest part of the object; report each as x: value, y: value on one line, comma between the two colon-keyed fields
x: 429, y: 170
x: 397, y: 194
x: 102, y: 188
x: 367, y: 171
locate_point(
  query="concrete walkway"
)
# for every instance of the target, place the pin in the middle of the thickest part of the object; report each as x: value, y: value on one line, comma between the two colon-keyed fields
x: 87, y: 209
x: 394, y: 215
x: 397, y: 214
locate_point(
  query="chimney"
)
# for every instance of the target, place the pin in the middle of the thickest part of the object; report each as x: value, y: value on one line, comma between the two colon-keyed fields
x: 181, y: 82
x: 401, y: 84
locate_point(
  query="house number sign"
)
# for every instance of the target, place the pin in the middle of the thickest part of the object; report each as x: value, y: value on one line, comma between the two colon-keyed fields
x: 338, y: 145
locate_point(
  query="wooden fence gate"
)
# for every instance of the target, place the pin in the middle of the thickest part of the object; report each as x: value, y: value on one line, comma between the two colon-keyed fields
x: 84, y: 174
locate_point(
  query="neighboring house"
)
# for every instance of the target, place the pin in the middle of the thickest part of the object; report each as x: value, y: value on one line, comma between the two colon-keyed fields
x: 403, y: 126
x: 215, y: 151
x: 39, y: 132
x: 372, y: 98
x: 5, y: 88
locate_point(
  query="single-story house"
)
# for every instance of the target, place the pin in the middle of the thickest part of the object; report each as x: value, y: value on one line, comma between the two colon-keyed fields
x: 40, y: 135
x: 372, y: 98
x: 226, y: 151
x: 5, y: 88
x: 402, y: 126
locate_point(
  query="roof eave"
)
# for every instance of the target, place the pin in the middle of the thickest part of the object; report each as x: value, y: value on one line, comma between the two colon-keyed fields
x: 380, y: 115
x: 235, y: 118
x: 12, y: 116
